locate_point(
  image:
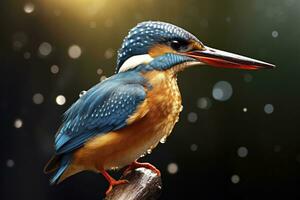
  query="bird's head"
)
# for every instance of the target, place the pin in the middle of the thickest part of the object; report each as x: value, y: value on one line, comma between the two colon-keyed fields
x: 166, y: 45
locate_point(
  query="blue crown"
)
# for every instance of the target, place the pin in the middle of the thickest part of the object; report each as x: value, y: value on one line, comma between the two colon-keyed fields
x: 145, y: 35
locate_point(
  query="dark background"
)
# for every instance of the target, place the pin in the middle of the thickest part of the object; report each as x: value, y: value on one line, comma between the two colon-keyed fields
x: 222, y: 152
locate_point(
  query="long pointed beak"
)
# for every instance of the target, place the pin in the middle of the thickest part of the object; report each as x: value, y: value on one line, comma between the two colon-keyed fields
x: 218, y: 58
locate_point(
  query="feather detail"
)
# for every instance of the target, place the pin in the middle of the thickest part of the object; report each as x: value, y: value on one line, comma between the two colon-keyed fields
x: 52, y: 164
x: 64, y: 164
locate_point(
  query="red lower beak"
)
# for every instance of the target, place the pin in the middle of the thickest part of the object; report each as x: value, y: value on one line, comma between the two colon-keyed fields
x: 218, y: 58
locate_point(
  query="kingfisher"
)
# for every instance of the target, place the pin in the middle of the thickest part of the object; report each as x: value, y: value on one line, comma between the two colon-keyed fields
x: 121, y: 118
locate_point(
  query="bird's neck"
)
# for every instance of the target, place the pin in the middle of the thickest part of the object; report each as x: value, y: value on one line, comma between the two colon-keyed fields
x: 158, y: 79
x: 164, y: 97
x: 164, y: 88
x: 182, y: 66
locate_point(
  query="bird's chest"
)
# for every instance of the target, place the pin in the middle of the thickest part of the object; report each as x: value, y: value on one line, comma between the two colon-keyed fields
x: 164, y: 102
x: 119, y: 148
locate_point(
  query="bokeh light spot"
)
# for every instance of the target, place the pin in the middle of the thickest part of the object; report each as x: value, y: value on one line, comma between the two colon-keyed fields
x: 10, y: 163
x: 275, y: 34
x: 45, y: 49
x: 54, y: 69
x: 18, y: 123
x: 99, y: 71
x: 29, y: 7
x: 222, y: 91
x: 109, y: 53
x: 27, y: 55
x: 242, y: 152
x: 172, y: 168
x: 38, y: 98
x: 269, y: 108
x: 235, y: 179
x: 194, y: 147
x: 60, y: 100
x: 204, y: 103
x: 192, y: 117
x: 74, y: 51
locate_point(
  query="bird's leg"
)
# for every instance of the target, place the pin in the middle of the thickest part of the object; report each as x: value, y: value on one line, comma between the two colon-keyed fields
x: 112, y: 182
x: 135, y: 164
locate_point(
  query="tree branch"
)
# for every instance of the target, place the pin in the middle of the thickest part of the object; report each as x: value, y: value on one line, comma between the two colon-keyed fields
x: 143, y: 184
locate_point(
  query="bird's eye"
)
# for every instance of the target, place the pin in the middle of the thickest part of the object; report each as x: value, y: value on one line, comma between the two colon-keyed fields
x: 175, y: 45
x: 179, y: 46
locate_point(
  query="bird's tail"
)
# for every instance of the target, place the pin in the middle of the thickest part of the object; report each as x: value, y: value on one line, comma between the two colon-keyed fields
x: 59, y: 164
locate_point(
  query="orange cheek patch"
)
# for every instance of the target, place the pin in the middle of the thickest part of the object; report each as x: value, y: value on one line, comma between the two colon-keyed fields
x: 160, y: 49
x: 197, y: 45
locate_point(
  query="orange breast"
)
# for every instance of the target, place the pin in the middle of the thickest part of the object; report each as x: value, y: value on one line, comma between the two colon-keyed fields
x: 153, y: 120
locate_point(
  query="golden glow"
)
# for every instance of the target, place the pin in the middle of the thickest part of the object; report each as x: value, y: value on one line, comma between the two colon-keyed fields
x: 104, y: 10
x: 78, y: 8
x: 29, y: 7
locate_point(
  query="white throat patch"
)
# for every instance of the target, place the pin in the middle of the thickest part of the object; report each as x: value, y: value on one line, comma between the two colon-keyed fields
x: 134, y: 61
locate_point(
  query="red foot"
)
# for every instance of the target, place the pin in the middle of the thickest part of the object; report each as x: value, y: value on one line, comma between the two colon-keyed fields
x: 136, y: 164
x: 112, y: 182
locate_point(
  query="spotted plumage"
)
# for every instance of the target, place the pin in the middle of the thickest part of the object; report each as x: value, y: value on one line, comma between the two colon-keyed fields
x: 103, y: 108
x: 146, y: 34
x: 116, y: 121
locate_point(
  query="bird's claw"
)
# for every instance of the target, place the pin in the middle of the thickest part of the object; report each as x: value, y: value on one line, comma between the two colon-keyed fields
x: 114, y: 183
x: 136, y: 165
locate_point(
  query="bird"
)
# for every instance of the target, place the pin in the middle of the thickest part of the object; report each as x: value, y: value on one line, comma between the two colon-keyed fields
x: 115, y: 122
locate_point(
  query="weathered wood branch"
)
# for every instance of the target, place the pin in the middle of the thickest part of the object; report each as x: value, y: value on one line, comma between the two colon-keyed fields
x: 143, y: 184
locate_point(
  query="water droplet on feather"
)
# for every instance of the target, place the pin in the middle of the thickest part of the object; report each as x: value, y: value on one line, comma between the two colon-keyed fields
x: 149, y: 151
x: 163, y: 140
x: 82, y: 93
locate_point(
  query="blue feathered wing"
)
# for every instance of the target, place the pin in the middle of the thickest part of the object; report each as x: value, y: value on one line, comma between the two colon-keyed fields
x: 103, y: 108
